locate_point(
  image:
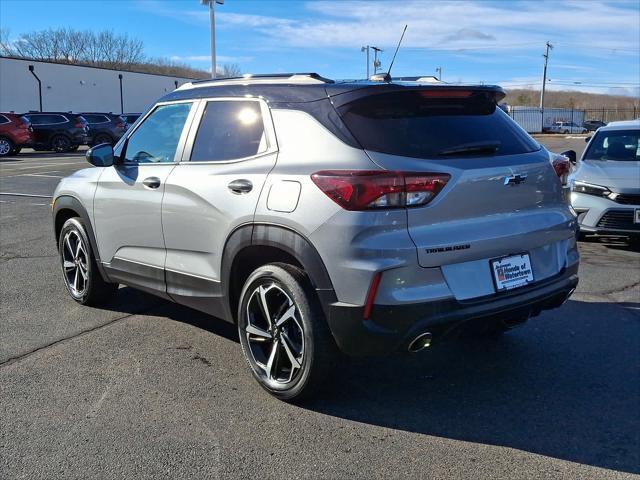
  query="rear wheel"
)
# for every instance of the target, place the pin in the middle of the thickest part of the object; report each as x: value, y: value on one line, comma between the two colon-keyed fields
x: 6, y: 146
x: 79, y: 268
x: 61, y: 144
x: 102, y: 138
x: 16, y: 150
x: 284, y: 336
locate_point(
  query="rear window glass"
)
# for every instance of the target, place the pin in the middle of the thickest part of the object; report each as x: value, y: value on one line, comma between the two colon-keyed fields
x: 414, y: 125
x: 617, y: 145
x: 229, y: 130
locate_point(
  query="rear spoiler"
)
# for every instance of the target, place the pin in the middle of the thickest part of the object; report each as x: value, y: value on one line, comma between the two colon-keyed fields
x: 493, y: 93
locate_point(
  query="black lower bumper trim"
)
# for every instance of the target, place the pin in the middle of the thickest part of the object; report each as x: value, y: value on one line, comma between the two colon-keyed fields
x: 393, y: 327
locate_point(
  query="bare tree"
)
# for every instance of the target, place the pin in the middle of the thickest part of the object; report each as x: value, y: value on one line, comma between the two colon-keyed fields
x: 6, y: 48
x: 231, y: 70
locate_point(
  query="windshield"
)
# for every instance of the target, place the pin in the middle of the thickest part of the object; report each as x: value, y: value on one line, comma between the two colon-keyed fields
x: 413, y: 124
x: 616, y: 145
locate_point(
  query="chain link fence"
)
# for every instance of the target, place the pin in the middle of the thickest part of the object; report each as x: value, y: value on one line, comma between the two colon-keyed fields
x: 536, y: 120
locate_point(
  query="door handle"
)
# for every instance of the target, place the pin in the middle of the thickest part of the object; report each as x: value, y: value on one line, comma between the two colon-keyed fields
x: 240, y: 186
x: 151, y: 182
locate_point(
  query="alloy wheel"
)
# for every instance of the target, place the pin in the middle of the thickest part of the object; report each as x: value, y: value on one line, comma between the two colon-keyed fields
x: 5, y: 147
x: 61, y: 144
x: 75, y: 262
x: 274, y: 334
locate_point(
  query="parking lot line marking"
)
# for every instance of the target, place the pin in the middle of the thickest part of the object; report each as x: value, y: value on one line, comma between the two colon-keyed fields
x: 52, y: 164
x: 39, y: 175
x: 11, y: 194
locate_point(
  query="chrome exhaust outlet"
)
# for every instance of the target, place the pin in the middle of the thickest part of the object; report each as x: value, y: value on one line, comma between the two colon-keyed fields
x: 421, y: 342
x: 568, y: 295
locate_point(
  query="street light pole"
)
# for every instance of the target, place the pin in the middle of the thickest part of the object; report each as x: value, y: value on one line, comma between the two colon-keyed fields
x: 439, y: 72
x: 363, y: 49
x: 376, y: 63
x: 212, y: 21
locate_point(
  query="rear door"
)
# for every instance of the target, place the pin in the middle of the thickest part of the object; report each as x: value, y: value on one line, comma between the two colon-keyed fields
x: 503, y: 196
x: 230, y: 150
x: 128, y: 199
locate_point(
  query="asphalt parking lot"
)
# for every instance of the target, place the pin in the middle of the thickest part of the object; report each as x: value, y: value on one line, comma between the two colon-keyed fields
x: 147, y: 389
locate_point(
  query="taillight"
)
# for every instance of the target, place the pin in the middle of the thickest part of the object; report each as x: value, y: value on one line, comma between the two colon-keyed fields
x: 562, y: 166
x: 375, y: 189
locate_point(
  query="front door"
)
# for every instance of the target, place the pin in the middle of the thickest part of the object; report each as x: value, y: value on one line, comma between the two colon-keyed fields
x: 128, y: 199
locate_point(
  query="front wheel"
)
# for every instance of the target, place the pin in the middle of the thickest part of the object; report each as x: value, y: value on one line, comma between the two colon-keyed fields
x: 6, y: 146
x: 284, y: 336
x: 79, y: 268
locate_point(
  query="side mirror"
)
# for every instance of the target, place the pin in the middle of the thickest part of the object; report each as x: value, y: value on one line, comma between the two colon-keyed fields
x: 100, y: 155
x: 571, y: 155
x: 586, y: 139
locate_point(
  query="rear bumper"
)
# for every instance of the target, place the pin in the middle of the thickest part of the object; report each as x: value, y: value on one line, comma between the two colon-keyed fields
x: 392, y: 328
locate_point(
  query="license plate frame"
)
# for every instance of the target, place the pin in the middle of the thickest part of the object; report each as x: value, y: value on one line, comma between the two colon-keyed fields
x: 519, y: 278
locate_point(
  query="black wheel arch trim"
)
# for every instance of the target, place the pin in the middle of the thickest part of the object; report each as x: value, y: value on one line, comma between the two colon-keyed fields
x: 285, y: 239
x: 68, y: 202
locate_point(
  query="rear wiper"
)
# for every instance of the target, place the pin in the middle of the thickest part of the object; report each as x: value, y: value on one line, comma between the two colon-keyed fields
x: 475, y: 147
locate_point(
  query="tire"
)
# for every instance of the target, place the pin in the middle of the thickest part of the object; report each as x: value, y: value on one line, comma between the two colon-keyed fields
x: 6, y: 146
x: 302, y: 336
x: 61, y: 144
x: 79, y: 269
x: 74, y: 148
x: 566, y: 132
x: 16, y: 150
x: 102, y: 138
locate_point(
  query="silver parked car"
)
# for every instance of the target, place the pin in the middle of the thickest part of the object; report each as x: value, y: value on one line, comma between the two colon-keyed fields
x: 566, y: 128
x: 318, y: 216
x: 606, y: 182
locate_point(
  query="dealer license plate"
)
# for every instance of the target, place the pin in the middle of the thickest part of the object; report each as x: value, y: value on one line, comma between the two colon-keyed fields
x: 512, y: 272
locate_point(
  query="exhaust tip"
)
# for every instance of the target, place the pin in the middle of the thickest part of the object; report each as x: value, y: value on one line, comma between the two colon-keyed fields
x: 421, y: 342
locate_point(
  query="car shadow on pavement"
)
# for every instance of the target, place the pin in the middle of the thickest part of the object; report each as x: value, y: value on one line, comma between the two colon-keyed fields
x: 565, y: 385
x: 613, y: 243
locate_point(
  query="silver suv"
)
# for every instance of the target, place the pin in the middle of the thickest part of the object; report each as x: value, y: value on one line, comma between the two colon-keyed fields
x: 324, y: 217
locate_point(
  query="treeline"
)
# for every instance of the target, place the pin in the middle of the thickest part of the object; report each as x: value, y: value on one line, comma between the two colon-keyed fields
x: 570, y: 99
x: 104, y: 49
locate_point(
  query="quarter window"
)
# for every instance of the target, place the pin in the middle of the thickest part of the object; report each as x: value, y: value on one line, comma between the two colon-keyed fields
x: 157, y: 137
x: 229, y: 130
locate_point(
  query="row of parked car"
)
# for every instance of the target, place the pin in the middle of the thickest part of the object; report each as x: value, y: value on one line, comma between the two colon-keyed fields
x: 572, y: 127
x: 60, y: 131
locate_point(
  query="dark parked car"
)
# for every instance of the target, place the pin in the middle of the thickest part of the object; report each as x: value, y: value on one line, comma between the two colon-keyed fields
x: 105, y: 127
x: 15, y: 133
x: 593, y: 125
x: 58, y: 131
x: 131, y: 117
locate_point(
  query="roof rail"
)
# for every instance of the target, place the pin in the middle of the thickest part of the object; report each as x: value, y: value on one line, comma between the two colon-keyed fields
x: 299, y: 78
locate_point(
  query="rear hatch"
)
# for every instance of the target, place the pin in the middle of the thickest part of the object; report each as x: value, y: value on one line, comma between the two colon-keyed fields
x: 502, y: 198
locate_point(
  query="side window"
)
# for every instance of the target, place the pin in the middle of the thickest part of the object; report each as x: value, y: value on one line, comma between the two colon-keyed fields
x: 229, y: 130
x: 157, y: 137
x: 37, y: 119
x: 4, y: 119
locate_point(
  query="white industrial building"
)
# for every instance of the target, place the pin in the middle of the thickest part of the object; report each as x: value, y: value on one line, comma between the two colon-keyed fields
x: 78, y: 88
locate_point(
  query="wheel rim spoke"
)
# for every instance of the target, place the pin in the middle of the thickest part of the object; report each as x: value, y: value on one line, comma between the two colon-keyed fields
x: 264, y: 306
x: 273, y: 357
x: 286, y: 316
x: 67, y: 264
x: 74, y: 263
x: 287, y: 348
x: 258, y: 332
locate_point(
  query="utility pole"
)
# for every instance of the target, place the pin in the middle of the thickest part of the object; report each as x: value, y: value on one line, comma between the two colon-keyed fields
x: 366, y: 49
x: 439, y: 72
x: 376, y: 62
x: 212, y: 21
x: 544, y: 74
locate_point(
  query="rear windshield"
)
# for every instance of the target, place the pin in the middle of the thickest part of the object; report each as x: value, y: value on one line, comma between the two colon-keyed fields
x: 616, y: 145
x: 413, y: 124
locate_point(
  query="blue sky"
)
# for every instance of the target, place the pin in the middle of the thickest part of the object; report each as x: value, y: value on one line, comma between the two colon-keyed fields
x: 596, y: 43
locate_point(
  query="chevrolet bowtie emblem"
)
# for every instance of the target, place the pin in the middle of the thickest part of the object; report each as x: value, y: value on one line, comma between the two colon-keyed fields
x: 516, y: 179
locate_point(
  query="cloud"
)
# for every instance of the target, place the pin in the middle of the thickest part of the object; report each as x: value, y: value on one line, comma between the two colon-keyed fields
x: 468, y: 34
